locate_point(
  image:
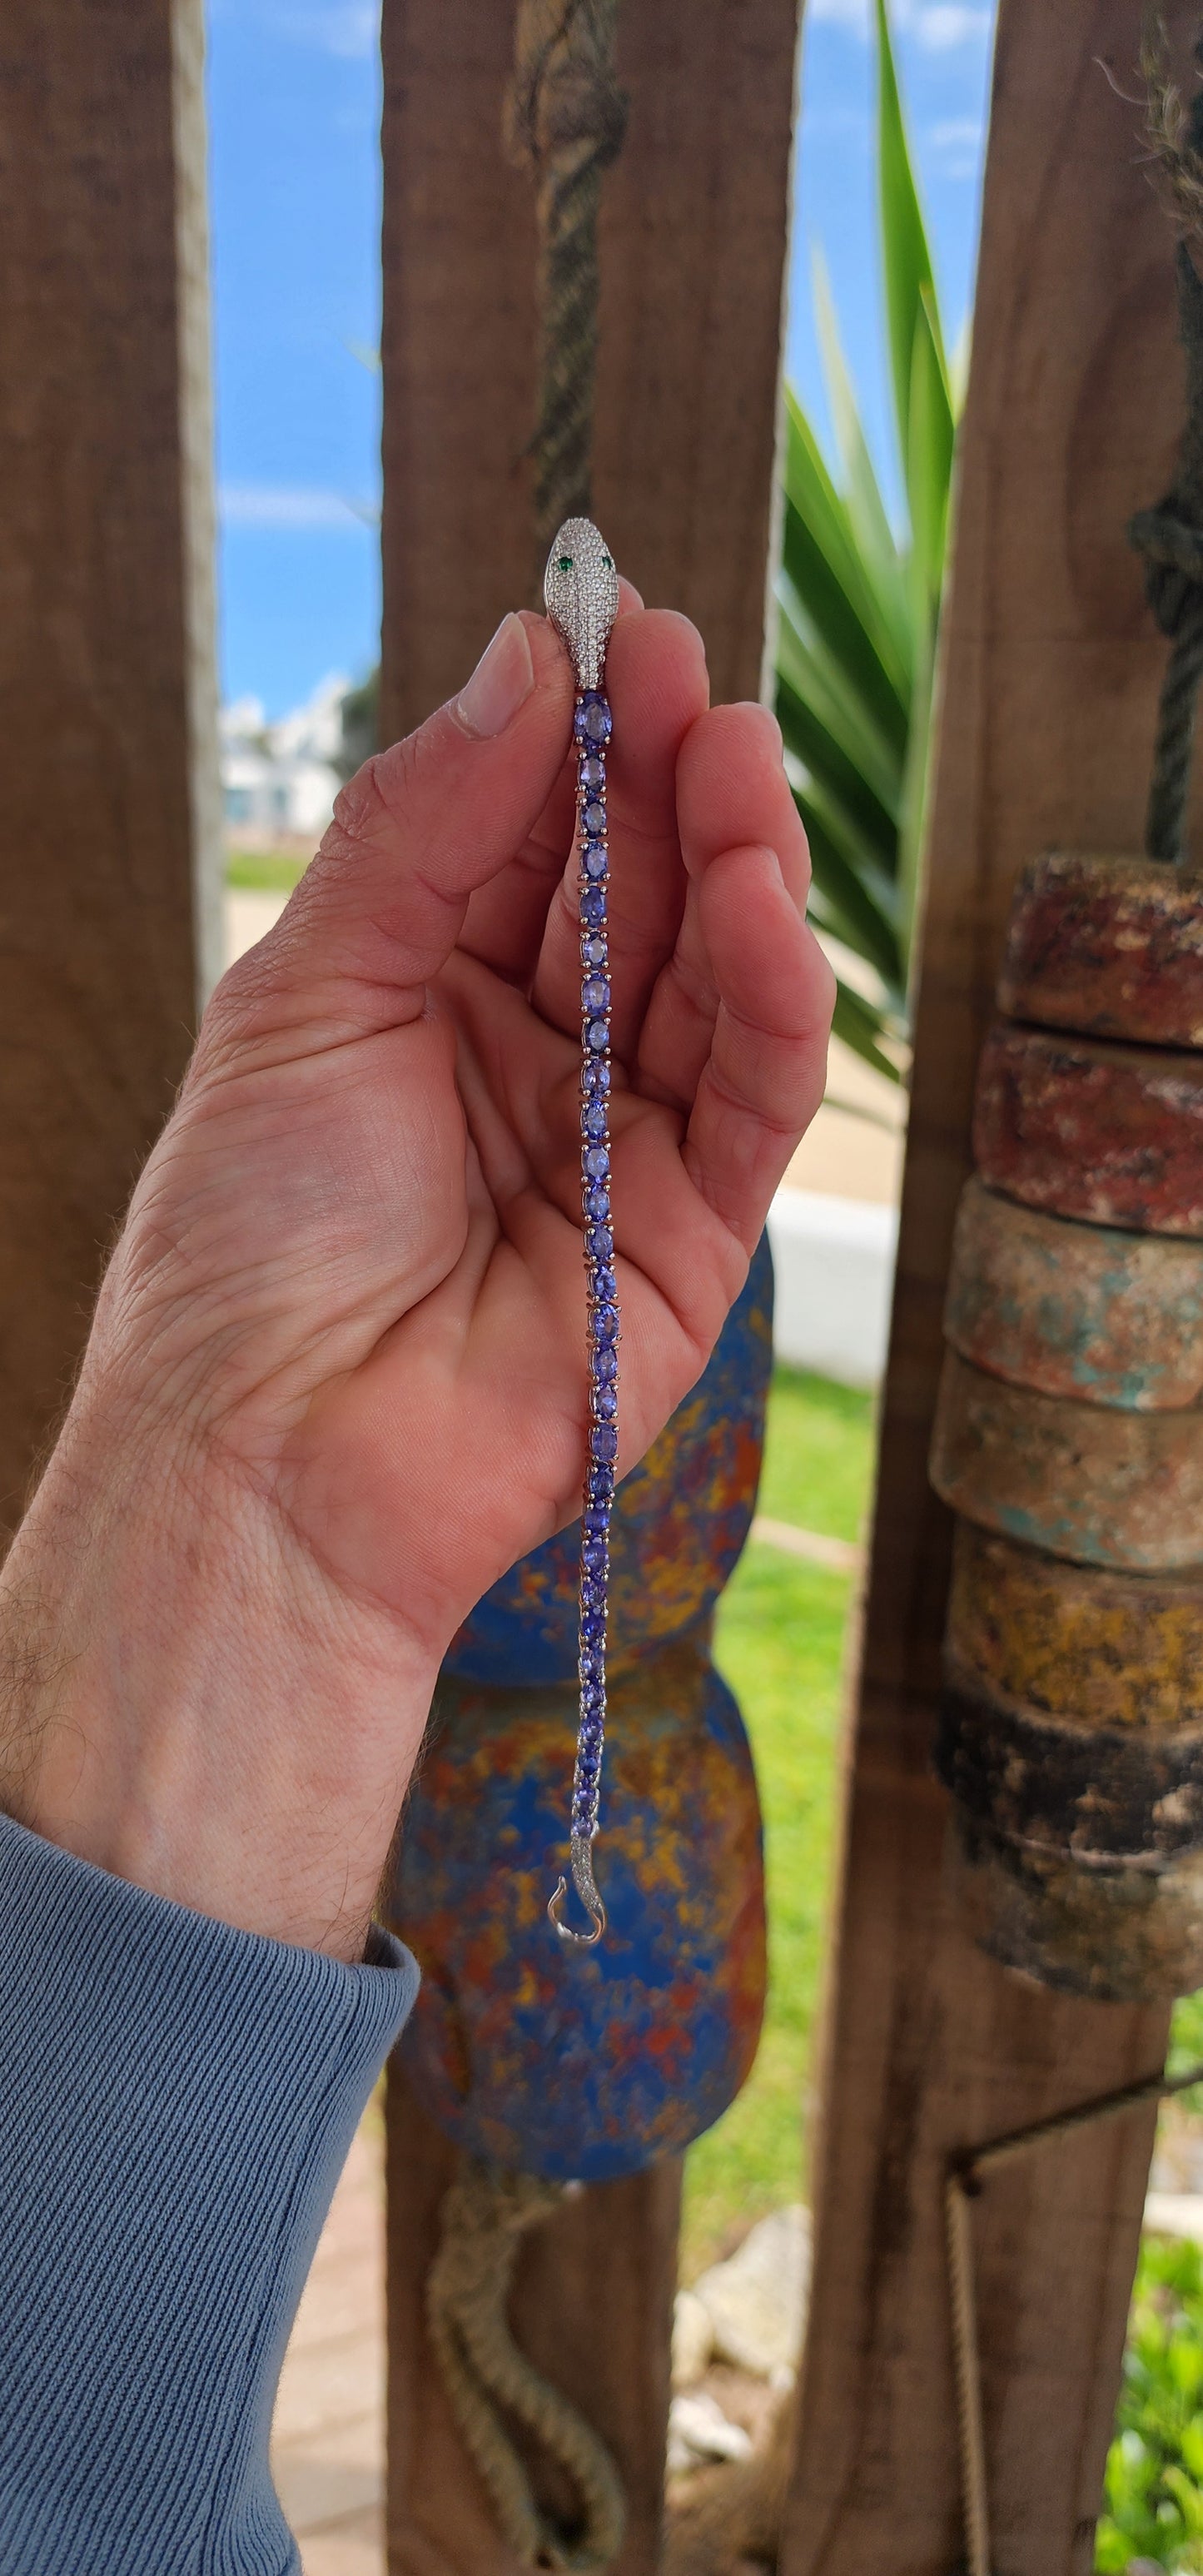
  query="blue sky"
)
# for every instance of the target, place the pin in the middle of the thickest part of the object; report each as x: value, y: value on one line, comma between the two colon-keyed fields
x: 294, y: 104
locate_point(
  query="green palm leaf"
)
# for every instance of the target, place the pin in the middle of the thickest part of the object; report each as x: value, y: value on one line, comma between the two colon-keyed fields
x: 859, y: 608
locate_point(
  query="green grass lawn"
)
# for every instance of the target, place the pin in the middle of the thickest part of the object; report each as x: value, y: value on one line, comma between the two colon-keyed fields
x: 781, y: 1644
x: 263, y: 871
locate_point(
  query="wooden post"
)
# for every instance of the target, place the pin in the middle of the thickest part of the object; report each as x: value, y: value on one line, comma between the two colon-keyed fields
x: 1050, y: 673
x: 106, y: 648
x: 693, y: 244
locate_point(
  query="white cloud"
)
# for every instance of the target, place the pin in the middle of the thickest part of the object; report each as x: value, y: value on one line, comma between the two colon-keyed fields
x: 939, y: 26
x: 275, y: 505
x: 956, y: 143
x: 347, y: 27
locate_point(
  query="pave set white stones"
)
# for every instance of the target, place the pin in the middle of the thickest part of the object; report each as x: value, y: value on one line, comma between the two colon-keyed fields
x: 580, y: 591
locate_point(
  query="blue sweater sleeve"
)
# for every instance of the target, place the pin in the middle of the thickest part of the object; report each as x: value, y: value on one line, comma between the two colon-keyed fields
x: 176, y: 2100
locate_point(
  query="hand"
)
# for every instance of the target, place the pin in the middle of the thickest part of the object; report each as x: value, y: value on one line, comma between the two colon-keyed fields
x: 336, y: 1380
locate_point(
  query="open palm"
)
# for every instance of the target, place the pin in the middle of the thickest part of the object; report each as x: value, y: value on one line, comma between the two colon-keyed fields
x: 360, y: 1237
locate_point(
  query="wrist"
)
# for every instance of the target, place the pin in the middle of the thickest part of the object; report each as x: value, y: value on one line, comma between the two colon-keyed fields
x: 188, y: 1702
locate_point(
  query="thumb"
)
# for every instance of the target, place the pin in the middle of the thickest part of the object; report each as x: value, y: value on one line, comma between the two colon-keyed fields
x: 417, y: 830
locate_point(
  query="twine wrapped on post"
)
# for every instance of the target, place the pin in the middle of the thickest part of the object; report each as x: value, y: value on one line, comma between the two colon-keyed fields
x: 566, y: 119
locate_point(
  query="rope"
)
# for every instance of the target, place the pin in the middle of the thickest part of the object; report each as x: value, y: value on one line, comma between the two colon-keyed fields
x: 485, y: 2216
x: 566, y: 120
x: 967, y: 2171
x: 1170, y: 537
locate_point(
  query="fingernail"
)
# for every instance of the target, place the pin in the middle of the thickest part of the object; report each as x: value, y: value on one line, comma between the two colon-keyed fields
x: 500, y: 684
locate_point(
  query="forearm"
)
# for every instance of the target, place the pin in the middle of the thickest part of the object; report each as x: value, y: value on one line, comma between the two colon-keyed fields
x: 186, y: 1702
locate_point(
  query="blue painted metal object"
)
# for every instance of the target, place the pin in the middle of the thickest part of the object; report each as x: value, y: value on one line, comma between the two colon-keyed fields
x: 590, y: 2064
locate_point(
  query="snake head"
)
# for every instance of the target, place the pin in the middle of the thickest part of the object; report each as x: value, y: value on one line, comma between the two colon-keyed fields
x: 580, y: 594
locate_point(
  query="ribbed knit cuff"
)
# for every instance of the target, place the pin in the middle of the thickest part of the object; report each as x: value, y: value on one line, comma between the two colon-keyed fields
x: 176, y: 2102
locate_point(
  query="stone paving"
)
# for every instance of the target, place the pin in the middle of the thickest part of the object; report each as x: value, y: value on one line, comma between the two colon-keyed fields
x: 328, y: 2435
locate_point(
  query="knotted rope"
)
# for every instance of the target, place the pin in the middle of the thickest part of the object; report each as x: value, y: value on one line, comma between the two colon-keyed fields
x: 566, y: 118
x: 1170, y: 536
x: 485, y: 2216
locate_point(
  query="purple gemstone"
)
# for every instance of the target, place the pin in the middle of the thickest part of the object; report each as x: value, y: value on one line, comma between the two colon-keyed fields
x: 592, y: 1669
x: 593, y: 1118
x: 594, y: 859
x: 600, y: 1240
x: 595, y: 1522
x: 593, y: 1556
x: 594, y: 818
x: 593, y: 1627
x: 597, y: 1162
x: 597, y: 1035
x: 605, y: 1366
x: 603, y: 1440
x: 605, y: 1287
x: 588, y: 1765
x: 605, y: 1324
x: 595, y: 1077
x: 605, y: 1404
x: 595, y: 994
x: 593, y: 950
x: 593, y: 906
x: 593, y: 722
x: 597, y: 1202
x: 592, y: 770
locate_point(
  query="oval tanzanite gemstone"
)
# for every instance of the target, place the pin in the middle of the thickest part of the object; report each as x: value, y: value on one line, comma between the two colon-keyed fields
x: 597, y: 1162
x: 594, y: 859
x: 605, y: 1286
x: 595, y: 993
x: 603, y: 1440
x: 600, y: 1241
x: 593, y: 1627
x: 593, y: 949
x: 592, y: 770
x: 593, y: 906
x: 606, y: 1403
x: 594, y: 818
x: 595, y: 1077
x: 593, y: 1118
x: 597, y: 1035
x: 593, y: 722
x: 597, y: 1203
x: 605, y: 1323
x: 605, y: 1366
x: 593, y: 1556
x: 595, y: 1523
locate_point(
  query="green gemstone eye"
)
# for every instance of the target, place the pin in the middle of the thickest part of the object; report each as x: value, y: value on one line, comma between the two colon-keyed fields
x: 565, y: 563
x: 608, y: 561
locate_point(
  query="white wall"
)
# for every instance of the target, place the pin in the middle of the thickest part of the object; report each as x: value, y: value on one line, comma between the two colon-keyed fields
x: 834, y: 1260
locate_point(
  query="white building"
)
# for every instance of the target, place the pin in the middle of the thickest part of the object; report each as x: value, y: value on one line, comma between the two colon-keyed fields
x: 279, y: 781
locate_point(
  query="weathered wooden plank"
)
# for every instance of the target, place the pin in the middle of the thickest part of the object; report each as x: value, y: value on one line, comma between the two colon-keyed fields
x: 105, y: 648
x: 1051, y: 669
x: 693, y: 245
